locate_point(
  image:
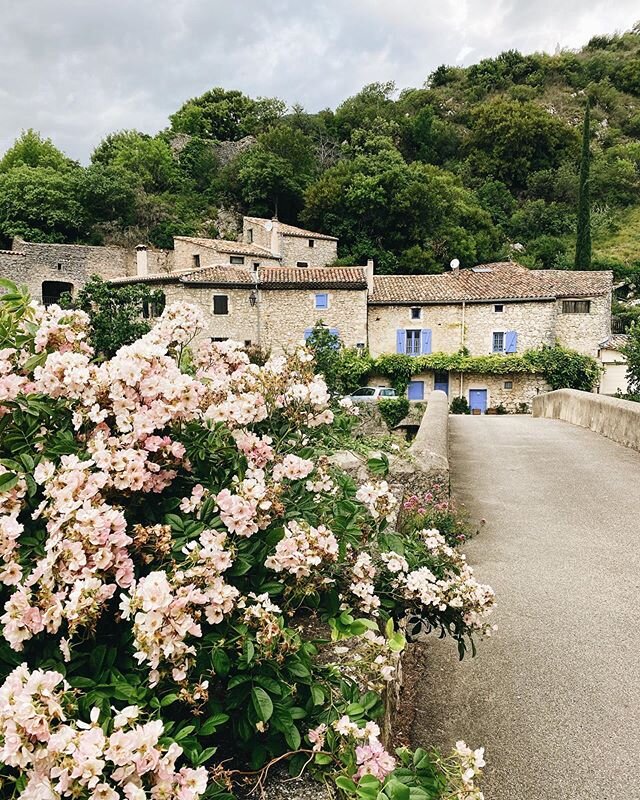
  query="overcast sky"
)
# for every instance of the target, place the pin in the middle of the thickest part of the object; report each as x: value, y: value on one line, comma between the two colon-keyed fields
x: 77, y: 69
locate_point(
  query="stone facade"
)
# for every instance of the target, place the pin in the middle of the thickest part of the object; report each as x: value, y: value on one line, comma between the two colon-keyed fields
x: 584, y: 331
x: 47, y: 269
x: 285, y: 314
x: 536, y: 324
x: 191, y: 253
x: 239, y: 324
x: 294, y: 246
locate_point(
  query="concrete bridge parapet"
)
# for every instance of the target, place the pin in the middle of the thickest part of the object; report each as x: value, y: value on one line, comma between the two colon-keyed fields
x: 616, y: 419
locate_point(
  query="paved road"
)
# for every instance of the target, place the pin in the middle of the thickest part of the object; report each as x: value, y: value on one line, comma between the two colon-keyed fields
x: 554, y: 696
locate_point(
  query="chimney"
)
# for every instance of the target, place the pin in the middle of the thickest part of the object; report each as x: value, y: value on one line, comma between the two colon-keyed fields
x: 275, y: 238
x: 142, y: 260
x: 369, y: 273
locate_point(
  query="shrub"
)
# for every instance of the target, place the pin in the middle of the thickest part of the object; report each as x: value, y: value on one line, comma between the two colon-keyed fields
x: 435, y: 509
x: 460, y: 405
x: 393, y: 410
x: 167, y: 522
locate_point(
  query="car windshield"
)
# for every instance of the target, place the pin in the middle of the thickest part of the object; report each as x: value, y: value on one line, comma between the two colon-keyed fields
x: 364, y: 391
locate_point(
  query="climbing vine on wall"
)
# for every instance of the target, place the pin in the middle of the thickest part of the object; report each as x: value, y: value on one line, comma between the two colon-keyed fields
x: 560, y: 368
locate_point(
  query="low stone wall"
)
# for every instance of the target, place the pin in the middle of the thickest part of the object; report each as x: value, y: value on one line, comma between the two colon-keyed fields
x: 616, y: 419
x: 430, y: 448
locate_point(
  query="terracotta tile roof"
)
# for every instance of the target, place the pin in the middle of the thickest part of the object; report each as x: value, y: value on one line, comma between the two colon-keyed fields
x: 486, y: 282
x: 157, y: 277
x: 267, y: 277
x: 313, y: 277
x: 229, y: 246
x: 220, y: 274
x: 615, y: 342
x: 292, y: 230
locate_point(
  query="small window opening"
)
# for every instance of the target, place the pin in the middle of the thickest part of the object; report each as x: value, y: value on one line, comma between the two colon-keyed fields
x: 220, y: 304
x: 416, y: 313
x: 236, y: 260
x: 196, y: 260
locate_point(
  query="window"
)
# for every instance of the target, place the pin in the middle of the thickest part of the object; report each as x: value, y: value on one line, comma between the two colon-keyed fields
x: 236, y: 260
x: 504, y: 342
x: 247, y: 342
x: 322, y: 301
x: 364, y: 391
x: 250, y: 235
x: 498, y: 308
x: 219, y: 338
x: 311, y: 243
x: 59, y: 266
x: 413, y: 343
x: 508, y: 384
x: 220, y: 304
x: 152, y: 310
x: 415, y: 313
x: 52, y: 291
x: 576, y: 306
x: 302, y: 264
x: 196, y: 260
x: 256, y: 264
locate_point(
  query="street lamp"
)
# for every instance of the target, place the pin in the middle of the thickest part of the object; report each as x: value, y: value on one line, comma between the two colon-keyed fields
x: 253, y: 298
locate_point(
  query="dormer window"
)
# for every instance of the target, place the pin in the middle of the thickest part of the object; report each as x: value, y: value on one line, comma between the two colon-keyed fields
x: 312, y: 243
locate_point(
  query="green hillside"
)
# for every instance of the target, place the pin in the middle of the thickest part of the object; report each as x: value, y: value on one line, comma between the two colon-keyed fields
x: 478, y: 164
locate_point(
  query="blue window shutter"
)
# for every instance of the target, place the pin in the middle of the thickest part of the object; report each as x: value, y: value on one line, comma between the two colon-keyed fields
x: 322, y: 300
x: 511, y: 341
x: 307, y: 333
x: 425, y: 342
x: 334, y: 331
x: 401, y: 341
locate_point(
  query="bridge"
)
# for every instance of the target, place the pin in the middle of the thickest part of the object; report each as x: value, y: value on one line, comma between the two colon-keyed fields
x: 554, y: 695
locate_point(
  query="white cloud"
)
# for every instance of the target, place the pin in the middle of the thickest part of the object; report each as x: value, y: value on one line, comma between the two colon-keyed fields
x: 77, y: 69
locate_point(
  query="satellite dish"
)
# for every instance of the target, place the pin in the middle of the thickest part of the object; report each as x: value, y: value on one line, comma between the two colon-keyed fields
x: 454, y: 263
x: 268, y: 225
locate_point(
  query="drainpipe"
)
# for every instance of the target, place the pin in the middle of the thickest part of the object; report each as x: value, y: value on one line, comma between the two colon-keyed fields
x: 258, y: 304
x: 464, y: 306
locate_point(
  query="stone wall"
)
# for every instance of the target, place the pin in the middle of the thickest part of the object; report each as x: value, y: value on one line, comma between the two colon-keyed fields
x: 32, y: 263
x: 295, y: 250
x: 585, y: 332
x: 285, y: 314
x: 536, y: 323
x: 185, y: 251
x: 616, y: 419
x: 240, y: 324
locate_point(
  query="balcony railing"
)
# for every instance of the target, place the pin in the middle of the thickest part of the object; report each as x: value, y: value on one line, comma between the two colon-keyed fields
x: 619, y: 325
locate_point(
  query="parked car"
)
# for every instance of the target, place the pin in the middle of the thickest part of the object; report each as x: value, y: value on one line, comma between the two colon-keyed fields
x: 369, y: 394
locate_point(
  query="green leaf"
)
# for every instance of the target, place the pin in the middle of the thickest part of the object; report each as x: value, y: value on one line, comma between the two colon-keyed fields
x: 317, y: 694
x: 168, y: 699
x: 248, y: 651
x: 212, y: 724
x: 322, y: 759
x: 292, y: 737
x: 184, y: 732
x: 220, y: 662
x: 396, y: 790
x: 7, y: 481
x: 261, y: 703
x: 344, y: 783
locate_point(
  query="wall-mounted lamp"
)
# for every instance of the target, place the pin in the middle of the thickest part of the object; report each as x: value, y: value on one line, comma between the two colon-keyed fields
x: 253, y: 298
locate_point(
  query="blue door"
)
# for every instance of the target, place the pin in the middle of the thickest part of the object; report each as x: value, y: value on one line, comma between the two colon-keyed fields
x: 441, y: 382
x: 416, y: 390
x: 478, y: 399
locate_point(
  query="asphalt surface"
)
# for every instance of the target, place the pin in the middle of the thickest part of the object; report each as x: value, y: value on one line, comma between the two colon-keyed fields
x: 554, y: 695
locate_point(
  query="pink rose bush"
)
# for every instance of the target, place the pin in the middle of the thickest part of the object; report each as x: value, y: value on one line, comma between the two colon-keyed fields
x: 169, y: 521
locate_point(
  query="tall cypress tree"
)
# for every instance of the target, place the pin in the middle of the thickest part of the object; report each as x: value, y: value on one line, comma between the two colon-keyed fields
x: 583, y: 238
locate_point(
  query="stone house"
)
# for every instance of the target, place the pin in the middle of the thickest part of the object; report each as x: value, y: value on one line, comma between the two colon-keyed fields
x: 274, y: 307
x: 491, y: 308
x: 271, y: 287
x: 264, y: 242
x: 614, y: 363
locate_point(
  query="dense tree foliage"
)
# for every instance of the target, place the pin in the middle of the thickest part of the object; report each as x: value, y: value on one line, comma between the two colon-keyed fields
x: 473, y: 163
